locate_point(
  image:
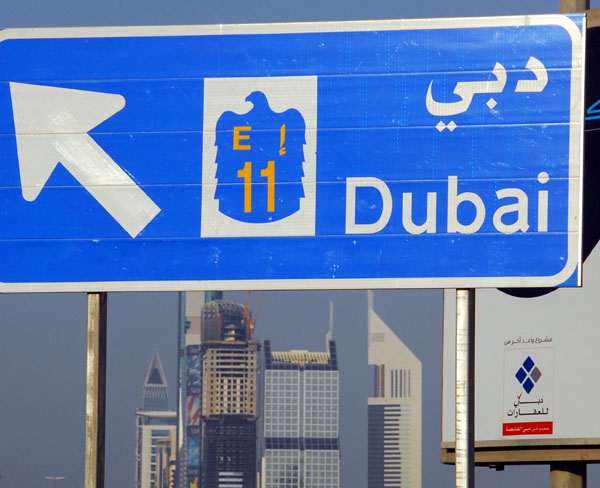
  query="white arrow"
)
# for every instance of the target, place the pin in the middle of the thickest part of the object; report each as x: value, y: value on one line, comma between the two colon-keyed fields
x: 51, y: 125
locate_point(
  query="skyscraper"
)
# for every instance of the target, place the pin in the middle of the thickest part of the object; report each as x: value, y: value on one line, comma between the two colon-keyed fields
x: 188, y: 399
x: 166, y: 460
x: 154, y: 423
x: 394, y: 412
x: 221, y: 389
x: 300, y: 419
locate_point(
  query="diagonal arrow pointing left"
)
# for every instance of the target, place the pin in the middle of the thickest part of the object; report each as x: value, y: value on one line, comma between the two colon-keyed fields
x: 51, y: 126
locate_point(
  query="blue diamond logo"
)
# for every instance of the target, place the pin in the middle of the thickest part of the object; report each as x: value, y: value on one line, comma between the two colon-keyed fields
x: 528, y: 364
x: 528, y: 374
x: 528, y: 385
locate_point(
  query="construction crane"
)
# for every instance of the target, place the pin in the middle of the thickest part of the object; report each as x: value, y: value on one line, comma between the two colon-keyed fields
x: 252, y: 320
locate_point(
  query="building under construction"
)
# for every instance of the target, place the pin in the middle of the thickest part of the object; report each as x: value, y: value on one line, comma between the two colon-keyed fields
x: 222, y: 447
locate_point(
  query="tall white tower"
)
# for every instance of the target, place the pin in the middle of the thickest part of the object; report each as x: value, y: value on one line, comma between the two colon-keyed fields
x: 154, y: 424
x: 395, y: 424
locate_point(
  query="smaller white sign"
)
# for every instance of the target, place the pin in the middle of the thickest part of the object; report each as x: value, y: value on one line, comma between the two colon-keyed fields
x: 528, y: 390
x: 536, y: 366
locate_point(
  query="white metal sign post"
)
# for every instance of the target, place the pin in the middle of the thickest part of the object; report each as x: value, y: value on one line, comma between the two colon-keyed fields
x: 465, y: 391
x: 569, y: 475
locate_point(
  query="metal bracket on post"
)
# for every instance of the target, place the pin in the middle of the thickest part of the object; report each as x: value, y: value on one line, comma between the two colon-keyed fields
x: 95, y: 391
x: 465, y: 391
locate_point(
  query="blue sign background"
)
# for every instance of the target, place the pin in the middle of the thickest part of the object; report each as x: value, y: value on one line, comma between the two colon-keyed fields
x: 372, y: 121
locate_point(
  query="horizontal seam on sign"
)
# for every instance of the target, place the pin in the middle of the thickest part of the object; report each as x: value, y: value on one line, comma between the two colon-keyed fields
x: 91, y: 132
x: 201, y: 77
x: 341, y: 181
x: 312, y: 237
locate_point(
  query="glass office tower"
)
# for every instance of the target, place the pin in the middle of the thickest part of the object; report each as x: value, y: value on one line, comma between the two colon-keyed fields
x: 300, y: 419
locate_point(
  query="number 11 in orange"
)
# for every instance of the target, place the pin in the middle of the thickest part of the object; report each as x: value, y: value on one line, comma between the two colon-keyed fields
x: 269, y: 173
x: 246, y: 174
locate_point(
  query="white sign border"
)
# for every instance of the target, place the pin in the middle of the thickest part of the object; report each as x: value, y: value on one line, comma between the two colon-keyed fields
x: 575, y: 152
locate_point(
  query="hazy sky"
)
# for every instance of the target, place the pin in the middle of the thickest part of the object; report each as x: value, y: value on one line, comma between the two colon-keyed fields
x: 42, y: 337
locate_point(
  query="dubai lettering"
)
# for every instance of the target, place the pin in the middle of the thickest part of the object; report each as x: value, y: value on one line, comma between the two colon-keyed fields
x: 510, y: 211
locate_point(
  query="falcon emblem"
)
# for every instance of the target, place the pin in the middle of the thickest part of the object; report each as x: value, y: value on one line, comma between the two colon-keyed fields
x: 260, y: 156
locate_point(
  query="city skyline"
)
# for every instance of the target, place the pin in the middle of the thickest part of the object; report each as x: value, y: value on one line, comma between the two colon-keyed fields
x: 42, y: 342
x: 298, y: 442
x: 299, y: 431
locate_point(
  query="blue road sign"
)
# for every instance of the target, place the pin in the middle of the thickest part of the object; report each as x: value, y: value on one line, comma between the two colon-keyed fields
x: 379, y: 154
